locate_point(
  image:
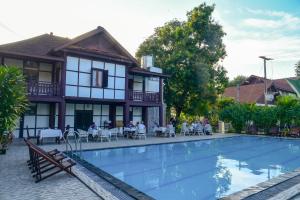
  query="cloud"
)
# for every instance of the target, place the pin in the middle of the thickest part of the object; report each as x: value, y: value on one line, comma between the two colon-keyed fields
x: 279, y: 19
x: 267, y: 33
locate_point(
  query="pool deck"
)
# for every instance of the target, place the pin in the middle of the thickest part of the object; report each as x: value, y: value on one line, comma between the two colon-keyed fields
x: 16, y: 181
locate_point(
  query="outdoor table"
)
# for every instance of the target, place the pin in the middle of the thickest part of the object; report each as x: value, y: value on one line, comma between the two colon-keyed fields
x: 160, y: 131
x: 49, y: 133
x: 129, y: 131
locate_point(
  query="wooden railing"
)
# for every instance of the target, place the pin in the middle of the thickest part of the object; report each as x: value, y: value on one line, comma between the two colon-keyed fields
x: 144, y: 96
x: 43, y: 89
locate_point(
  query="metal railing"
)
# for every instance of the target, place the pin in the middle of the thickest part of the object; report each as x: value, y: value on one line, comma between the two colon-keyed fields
x: 144, y: 96
x: 43, y: 89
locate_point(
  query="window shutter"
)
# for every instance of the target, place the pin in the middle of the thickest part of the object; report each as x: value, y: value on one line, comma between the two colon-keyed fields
x: 105, y: 78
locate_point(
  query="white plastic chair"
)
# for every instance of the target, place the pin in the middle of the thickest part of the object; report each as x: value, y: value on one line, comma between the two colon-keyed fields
x: 104, y: 134
x: 83, y: 134
x: 184, y: 129
x: 141, y: 132
x: 171, y: 130
x: 114, y: 133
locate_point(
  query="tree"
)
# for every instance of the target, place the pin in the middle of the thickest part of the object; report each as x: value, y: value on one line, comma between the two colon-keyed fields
x: 297, y: 69
x: 237, y: 81
x: 13, y: 99
x: 189, y: 51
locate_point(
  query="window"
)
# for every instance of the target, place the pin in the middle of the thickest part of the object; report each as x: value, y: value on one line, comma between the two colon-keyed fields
x: 31, y: 71
x: 99, y: 78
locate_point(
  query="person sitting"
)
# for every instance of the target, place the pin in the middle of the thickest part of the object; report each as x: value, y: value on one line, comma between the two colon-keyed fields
x: 141, y: 126
x: 208, y: 128
x: 93, y: 126
x: 130, y: 125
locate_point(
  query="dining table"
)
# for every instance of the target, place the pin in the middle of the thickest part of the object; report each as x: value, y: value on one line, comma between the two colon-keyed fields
x: 49, y: 133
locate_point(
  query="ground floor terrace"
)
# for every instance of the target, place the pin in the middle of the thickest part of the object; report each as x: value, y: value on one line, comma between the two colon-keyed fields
x: 81, y: 114
x: 17, y: 183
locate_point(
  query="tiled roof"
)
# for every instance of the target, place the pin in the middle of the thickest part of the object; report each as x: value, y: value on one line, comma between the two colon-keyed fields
x: 36, y: 46
x: 254, y: 92
x: 248, y: 93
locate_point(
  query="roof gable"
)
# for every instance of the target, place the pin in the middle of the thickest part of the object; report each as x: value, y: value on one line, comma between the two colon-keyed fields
x: 98, y: 41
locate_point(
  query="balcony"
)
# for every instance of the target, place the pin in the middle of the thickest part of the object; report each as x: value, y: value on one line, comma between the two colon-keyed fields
x: 43, y: 89
x: 153, y: 97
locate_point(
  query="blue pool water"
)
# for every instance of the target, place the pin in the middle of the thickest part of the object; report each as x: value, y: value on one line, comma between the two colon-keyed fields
x: 206, y: 169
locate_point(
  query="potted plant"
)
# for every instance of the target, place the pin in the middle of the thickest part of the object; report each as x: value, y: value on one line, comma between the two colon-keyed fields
x: 13, y: 102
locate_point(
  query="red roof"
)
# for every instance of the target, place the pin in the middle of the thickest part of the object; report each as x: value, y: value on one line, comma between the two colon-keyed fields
x: 248, y: 93
x: 252, y: 90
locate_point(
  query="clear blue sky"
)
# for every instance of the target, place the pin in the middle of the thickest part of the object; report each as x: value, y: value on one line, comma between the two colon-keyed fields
x: 253, y: 27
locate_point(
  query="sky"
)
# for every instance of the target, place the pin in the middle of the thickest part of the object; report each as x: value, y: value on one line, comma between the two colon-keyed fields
x: 253, y: 27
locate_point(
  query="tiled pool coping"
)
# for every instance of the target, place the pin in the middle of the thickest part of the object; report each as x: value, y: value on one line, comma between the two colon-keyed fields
x: 265, y: 190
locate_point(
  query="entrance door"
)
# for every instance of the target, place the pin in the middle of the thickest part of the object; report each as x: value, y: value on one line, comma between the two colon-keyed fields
x: 83, y: 119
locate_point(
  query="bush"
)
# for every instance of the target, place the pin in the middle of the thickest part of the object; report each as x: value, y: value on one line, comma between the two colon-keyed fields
x: 13, y: 100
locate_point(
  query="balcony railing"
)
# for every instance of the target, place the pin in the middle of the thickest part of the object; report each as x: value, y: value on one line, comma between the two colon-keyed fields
x: 43, y: 89
x: 153, y: 97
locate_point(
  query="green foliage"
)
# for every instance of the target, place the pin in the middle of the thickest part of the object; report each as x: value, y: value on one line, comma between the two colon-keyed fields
x: 241, y: 116
x: 287, y: 110
x: 189, y: 51
x: 264, y: 117
x: 237, y: 115
x: 13, y: 99
x: 237, y: 81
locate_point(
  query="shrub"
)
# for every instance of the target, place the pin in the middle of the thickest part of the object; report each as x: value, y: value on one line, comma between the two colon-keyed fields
x: 13, y: 99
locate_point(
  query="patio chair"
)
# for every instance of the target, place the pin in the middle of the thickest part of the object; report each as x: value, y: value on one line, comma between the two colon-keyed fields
x: 199, y: 130
x: 141, y: 131
x: 83, y: 135
x: 184, y: 129
x: 114, y: 133
x: 104, y: 134
x: 171, y: 130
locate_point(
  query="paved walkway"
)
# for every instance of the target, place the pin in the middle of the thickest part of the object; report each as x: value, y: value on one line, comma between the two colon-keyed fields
x: 16, y: 181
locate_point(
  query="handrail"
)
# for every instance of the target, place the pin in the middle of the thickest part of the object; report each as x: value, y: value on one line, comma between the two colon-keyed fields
x: 144, y: 96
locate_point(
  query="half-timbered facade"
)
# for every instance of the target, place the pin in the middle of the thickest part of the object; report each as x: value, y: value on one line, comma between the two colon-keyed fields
x: 90, y: 78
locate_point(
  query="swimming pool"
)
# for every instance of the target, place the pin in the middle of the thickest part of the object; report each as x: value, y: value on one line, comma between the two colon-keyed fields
x: 205, y: 169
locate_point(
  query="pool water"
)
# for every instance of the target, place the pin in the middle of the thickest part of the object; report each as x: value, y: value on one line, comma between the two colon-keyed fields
x: 206, y: 169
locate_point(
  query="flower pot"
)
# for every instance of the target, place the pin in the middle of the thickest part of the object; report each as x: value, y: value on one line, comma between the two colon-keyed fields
x: 2, y: 151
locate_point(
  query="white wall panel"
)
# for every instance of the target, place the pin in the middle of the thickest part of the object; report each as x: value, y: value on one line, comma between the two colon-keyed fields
x: 43, y: 109
x: 84, y: 79
x: 97, y: 93
x: 71, y: 91
x: 29, y: 121
x: 97, y: 110
x: 42, y: 121
x: 119, y: 94
x: 105, y: 109
x: 70, y: 109
x: 72, y: 63
x: 119, y: 110
x: 69, y: 120
x: 111, y: 68
x: 111, y: 82
x: 79, y: 107
x: 84, y: 92
x: 85, y: 65
x: 108, y: 94
x: 120, y: 70
x: 71, y: 78
x: 120, y: 83
x: 97, y: 120
x: 136, y: 119
x: 98, y: 65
